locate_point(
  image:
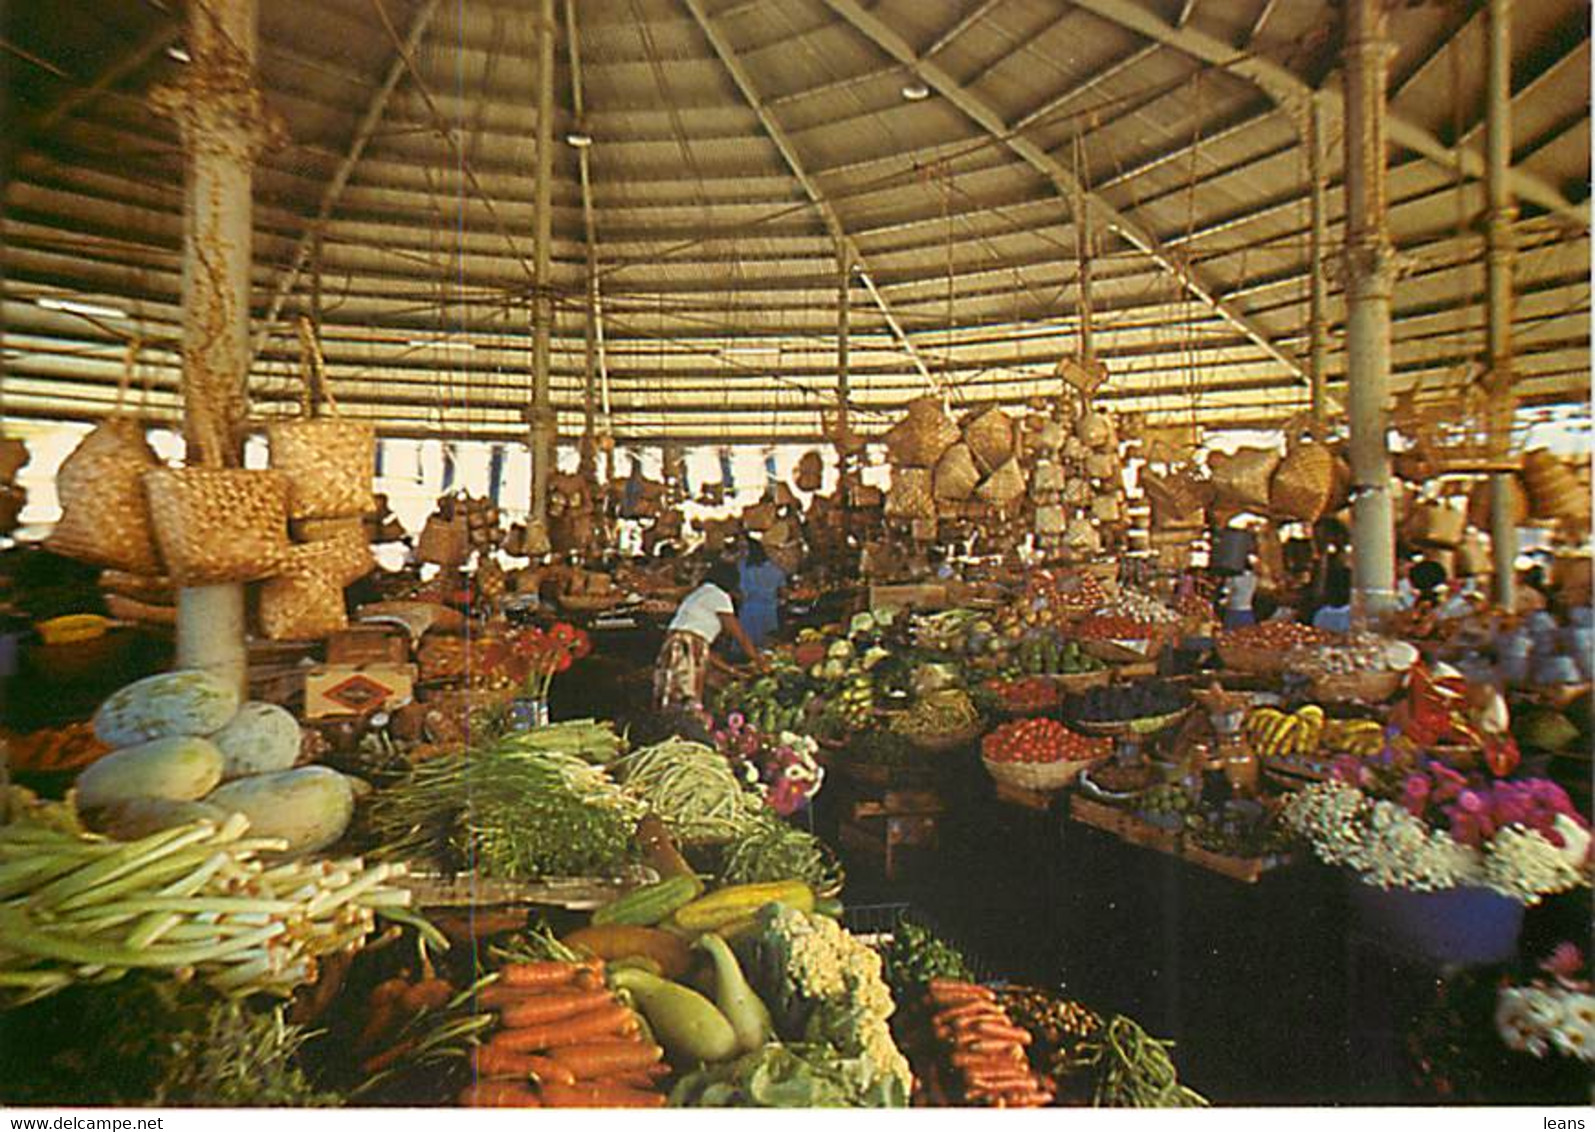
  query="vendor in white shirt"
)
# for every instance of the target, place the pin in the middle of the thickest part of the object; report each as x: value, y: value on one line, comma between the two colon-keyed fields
x: 1238, y: 593
x: 703, y: 615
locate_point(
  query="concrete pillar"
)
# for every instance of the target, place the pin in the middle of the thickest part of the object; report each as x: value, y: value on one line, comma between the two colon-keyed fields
x: 1370, y: 280
x: 1501, y: 215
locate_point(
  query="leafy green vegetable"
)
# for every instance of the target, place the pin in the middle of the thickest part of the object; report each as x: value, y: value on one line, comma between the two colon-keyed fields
x: 794, y: 1075
x: 915, y: 955
x: 511, y: 810
x: 147, y: 1040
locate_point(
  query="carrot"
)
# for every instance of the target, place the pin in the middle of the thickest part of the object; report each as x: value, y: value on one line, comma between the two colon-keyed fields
x: 1003, y: 1031
x: 387, y: 1057
x: 989, y: 1046
x: 428, y: 994
x: 948, y: 991
x: 496, y: 1061
x: 498, y: 994
x: 975, y: 1008
x: 498, y: 1094
x: 599, y: 1059
x: 594, y: 1094
x: 643, y: 1078
x: 590, y: 978
x: 542, y: 973
x: 594, y: 1025
x: 546, y: 1069
x: 384, y: 1003
x: 552, y: 1007
x: 977, y: 1061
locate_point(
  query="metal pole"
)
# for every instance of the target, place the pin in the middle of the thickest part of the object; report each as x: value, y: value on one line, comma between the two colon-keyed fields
x: 1502, y: 215
x: 1318, y: 360
x: 541, y: 411
x: 1082, y: 240
x: 223, y: 123
x: 1370, y: 279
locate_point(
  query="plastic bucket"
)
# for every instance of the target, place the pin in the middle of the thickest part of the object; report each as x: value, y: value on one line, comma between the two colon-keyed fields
x: 1456, y: 926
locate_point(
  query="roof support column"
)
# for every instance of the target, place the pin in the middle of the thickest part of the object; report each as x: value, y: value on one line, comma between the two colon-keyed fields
x: 1370, y: 281
x: 222, y: 122
x: 1082, y: 237
x: 1317, y: 317
x: 540, y: 413
x: 1501, y: 216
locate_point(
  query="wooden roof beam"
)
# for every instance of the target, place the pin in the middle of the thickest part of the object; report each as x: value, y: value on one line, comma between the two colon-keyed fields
x: 1290, y: 93
x: 340, y: 177
x: 984, y: 115
x: 847, y: 250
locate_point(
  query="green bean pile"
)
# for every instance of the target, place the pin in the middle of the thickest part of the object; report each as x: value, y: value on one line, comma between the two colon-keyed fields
x: 693, y: 790
x: 777, y: 851
x: 1135, y: 1070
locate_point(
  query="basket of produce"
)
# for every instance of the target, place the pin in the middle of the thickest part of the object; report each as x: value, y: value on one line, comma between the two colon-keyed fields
x: 1039, y: 754
x: 1143, y: 708
x: 1117, y: 783
x: 1261, y: 649
x: 1357, y: 687
x: 940, y: 722
x: 1363, y: 668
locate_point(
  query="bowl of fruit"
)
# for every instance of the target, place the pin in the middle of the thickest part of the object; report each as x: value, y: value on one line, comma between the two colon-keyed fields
x: 1143, y: 708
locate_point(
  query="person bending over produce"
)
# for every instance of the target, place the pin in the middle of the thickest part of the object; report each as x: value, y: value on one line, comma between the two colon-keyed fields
x: 684, y: 660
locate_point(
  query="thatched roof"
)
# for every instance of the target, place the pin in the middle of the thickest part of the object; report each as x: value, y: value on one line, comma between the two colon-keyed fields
x: 738, y: 145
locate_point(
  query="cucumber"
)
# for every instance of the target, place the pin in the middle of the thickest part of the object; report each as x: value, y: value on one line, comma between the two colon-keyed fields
x: 646, y: 906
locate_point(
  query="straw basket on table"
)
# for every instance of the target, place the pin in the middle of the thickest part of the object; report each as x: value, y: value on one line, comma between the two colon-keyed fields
x: 1356, y: 687
x: 1251, y: 659
x: 1040, y: 777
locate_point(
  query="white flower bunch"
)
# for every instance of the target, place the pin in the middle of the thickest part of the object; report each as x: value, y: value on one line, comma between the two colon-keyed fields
x: 1537, y: 1019
x: 1390, y: 848
x: 1379, y: 840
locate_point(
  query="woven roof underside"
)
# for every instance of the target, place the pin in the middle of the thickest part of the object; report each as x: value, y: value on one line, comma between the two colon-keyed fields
x: 734, y: 142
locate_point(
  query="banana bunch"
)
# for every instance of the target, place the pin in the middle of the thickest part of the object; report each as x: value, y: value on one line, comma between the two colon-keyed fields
x: 1361, y: 737
x: 1275, y: 734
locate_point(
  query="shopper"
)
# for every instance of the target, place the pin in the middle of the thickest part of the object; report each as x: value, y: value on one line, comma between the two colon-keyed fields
x: 1334, y: 616
x: 1239, y: 590
x: 683, y: 665
x: 761, y: 582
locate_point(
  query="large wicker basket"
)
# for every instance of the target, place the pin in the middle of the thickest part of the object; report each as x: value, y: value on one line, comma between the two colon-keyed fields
x: 1250, y: 659
x: 1040, y: 777
x: 1357, y: 687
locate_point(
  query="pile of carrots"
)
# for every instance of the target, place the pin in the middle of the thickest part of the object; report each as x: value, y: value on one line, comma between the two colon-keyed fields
x: 563, y: 1041
x: 392, y: 1005
x: 973, y: 1053
x: 55, y: 749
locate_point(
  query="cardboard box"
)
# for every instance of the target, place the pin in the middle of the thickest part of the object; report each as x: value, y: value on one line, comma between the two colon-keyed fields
x: 368, y: 645
x: 357, y: 689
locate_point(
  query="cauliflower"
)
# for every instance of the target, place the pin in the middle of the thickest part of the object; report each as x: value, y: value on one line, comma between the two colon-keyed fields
x: 833, y: 990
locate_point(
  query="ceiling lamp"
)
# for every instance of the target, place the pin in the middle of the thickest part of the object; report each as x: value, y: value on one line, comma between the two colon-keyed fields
x: 179, y: 53
x: 72, y: 306
x: 578, y: 139
x: 916, y: 91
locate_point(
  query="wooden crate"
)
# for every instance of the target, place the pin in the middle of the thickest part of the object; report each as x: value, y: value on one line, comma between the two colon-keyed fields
x: 892, y: 841
x: 1123, y: 825
x: 1247, y: 870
